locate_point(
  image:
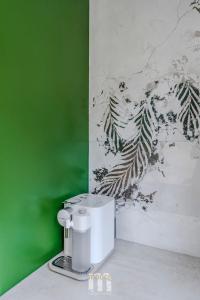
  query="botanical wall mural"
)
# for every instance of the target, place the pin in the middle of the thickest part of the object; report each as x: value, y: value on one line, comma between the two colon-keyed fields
x: 142, y: 116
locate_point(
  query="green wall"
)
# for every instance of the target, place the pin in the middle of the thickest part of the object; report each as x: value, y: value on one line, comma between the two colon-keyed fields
x: 43, y: 126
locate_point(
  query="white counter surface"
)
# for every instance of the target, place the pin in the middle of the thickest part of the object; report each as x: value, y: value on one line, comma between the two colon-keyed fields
x: 138, y: 273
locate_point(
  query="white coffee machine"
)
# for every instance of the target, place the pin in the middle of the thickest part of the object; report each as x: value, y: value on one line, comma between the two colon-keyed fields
x: 89, y: 235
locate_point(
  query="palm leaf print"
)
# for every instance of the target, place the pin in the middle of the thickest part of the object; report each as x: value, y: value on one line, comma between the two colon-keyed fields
x: 189, y: 116
x: 195, y: 5
x: 134, y: 156
x: 112, y: 124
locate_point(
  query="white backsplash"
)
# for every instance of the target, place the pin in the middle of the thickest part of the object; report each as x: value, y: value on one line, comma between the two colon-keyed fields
x: 145, y: 118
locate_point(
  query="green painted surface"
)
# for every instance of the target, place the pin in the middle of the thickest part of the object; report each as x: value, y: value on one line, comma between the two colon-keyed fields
x: 43, y: 126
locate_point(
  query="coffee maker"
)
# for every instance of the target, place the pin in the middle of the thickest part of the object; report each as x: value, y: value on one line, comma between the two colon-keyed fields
x: 89, y: 235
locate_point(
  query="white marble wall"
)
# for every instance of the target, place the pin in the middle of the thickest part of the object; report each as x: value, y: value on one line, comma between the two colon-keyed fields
x: 145, y: 118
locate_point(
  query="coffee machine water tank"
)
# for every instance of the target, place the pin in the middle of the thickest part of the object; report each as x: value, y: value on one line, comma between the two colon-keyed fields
x: 81, y: 241
x: 102, y: 223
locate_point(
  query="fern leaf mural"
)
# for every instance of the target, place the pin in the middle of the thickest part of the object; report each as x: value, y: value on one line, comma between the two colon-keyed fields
x: 196, y: 5
x: 112, y: 124
x: 134, y: 156
x: 189, y: 115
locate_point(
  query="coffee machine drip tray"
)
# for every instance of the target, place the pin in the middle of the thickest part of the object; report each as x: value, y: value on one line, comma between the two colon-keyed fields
x: 63, y: 265
x: 66, y: 264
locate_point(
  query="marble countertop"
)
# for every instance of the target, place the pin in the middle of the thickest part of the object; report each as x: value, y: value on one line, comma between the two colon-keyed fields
x: 138, y: 273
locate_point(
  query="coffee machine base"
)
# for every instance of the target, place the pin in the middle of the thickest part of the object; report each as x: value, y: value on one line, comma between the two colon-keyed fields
x: 63, y: 265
